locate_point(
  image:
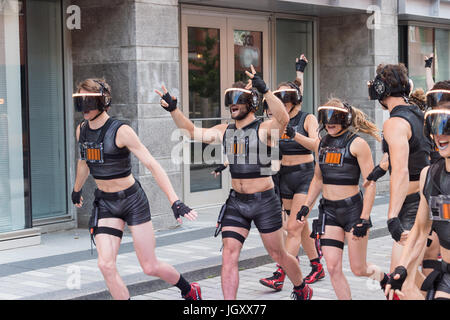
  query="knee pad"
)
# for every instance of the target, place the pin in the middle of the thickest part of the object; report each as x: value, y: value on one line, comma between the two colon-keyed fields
x: 332, y: 243
x: 234, y: 235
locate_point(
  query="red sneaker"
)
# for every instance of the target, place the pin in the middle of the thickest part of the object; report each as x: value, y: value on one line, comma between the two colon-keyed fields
x: 195, y: 293
x: 316, y: 273
x: 276, y: 281
x: 302, y: 294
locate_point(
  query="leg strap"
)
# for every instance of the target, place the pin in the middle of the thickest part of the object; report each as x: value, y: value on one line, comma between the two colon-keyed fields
x: 431, y: 264
x: 111, y: 231
x: 332, y: 243
x: 234, y: 235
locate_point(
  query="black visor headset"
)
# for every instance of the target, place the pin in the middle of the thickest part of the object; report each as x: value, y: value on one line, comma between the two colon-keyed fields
x: 242, y: 96
x: 85, y: 102
x: 380, y: 89
x: 292, y: 95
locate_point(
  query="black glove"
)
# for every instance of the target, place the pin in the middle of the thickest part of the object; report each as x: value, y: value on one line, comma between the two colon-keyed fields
x: 76, y: 197
x: 395, y: 228
x: 180, y: 209
x: 376, y: 173
x: 259, y: 84
x: 428, y: 62
x: 361, y: 231
x: 304, y: 210
x: 171, y: 102
x: 290, y: 132
x: 220, y: 168
x: 397, y: 284
x: 300, y: 65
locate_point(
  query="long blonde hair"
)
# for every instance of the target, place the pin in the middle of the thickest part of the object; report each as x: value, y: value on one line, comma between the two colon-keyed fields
x: 360, y: 121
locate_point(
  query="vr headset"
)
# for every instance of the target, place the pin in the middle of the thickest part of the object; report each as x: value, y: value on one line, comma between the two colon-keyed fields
x: 437, y: 122
x: 438, y: 99
x: 335, y: 115
x: 85, y: 102
x: 242, y: 96
x: 380, y: 89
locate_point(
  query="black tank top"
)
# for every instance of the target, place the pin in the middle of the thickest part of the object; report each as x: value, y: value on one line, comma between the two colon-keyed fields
x: 116, y: 162
x: 248, y: 157
x: 419, y: 145
x: 437, y: 184
x: 337, y: 164
x: 290, y: 146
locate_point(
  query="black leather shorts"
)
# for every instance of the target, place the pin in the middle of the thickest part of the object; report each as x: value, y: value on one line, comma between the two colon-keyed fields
x: 263, y: 208
x: 295, y: 179
x: 132, y: 208
x: 343, y: 213
x: 444, y: 284
x: 408, y: 212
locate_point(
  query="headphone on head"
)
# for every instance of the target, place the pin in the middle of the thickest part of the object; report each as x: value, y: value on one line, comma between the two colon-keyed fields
x: 254, y: 100
x: 384, y: 89
x: 107, y: 98
x: 298, y: 95
x: 349, y: 117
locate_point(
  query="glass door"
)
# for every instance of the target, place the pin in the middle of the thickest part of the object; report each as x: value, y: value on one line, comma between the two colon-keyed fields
x: 203, y: 82
x: 216, y: 52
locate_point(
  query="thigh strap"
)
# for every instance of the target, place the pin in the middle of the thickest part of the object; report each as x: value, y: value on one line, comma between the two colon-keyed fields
x: 234, y: 235
x: 107, y: 230
x: 332, y: 243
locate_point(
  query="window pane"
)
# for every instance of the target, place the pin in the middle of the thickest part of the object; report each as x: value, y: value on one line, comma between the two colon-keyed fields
x: 293, y: 39
x: 46, y: 107
x: 420, y: 44
x: 247, y: 52
x: 442, y: 59
x: 12, y: 203
x: 204, y: 100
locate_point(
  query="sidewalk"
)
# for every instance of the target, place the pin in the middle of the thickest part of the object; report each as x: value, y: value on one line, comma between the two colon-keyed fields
x: 62, y: 266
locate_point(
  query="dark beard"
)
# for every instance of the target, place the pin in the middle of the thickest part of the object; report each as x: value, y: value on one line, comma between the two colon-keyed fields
x: 241, y: 115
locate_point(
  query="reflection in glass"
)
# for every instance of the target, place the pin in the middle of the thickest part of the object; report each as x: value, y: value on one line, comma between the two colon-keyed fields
x: 442, y: 56
x: 294, y: 38
x: 204, y: 100
x: 247, y: 51
x: 420, y: 44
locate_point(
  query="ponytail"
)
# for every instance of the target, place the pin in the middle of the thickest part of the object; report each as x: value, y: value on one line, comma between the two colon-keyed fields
x: 361, y: 123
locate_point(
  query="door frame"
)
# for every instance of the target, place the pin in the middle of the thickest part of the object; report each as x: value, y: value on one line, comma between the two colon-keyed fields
x: 226, y: 23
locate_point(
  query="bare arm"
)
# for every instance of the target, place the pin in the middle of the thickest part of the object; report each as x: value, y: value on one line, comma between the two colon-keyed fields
x: 300, y: 74
x: 126, y: 137
x: 311, y: 126
x: 396, y: 135
x: 205, y: 135
x: 429, y: 74
x: 361, y: 150
x: 82, y: 173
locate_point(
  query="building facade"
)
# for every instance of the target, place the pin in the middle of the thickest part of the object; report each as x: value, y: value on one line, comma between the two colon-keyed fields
x: 196, y: 48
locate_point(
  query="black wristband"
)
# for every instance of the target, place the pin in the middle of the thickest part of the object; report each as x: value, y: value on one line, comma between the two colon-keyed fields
x: 76, y: 197
x: 376, y: 173
x: 290, y: 132
x: 300, y: 65
x: 395, y: 228
x: 180, y: 209
x: 428, y: 62
x: 259, y: 84
x: 220, y: 168
x: 397, y: 284
x: 304, y: 210
x: 361, y: 231
x: 172, y: 103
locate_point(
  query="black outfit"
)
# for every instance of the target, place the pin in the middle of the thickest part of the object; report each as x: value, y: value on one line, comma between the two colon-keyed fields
x: 437, y: 185
x: 419, y: 157
x: 339, y: 167
x: 295, y: 179
x: 245, y: 154
x: 130, y: 205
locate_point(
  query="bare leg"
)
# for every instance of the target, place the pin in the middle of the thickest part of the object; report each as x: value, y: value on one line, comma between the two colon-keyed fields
x: 333, y: 258
x: 107, y: 249
x: 230, y: 258
x: 144, y: 244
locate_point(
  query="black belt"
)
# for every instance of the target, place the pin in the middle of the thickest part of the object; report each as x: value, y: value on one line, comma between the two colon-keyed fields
x: 344, y: 202
x: 252, y: 196
x: 117, y: 195
x: 298, y: 167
